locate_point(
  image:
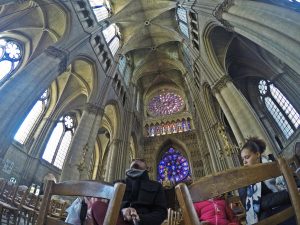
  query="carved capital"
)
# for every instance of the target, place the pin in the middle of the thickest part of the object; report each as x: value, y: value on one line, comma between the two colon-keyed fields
x: 93, y: 108
x: 223, y: 7
x: 59, y: 54
x: 221, y: 83
x: 220, y: 9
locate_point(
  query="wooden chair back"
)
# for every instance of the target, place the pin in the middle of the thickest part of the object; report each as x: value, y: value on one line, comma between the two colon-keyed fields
x: 84, y: 188
x: 223, y: 182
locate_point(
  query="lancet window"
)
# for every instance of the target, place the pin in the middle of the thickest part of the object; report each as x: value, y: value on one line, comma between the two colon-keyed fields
x: 181, y: 16
x: 32, y: 118
x: 60, y: 140
x: 112, y: 37
x: 283, y: 112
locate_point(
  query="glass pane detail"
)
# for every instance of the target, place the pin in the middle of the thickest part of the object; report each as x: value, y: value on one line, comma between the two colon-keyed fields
x: 53, y: 142
x: 31, y: 119
x: 262, y: 87
x: 182, y: 14
x: 114, y: 45
x: 173, y: 165
x: 29, y: 122
x: 279, y: 117
x: 109, y: 32
x: 59, y: 142
x: 10, y: 57
x: 184, y: 29
x: 165, y: 103
x: 287, y: 107
x: 122, y: 65
x: 101, y: 9
x: 63, y: 149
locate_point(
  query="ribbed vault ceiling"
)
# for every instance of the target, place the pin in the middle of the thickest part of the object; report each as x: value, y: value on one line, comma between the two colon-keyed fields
x: 151, y: 41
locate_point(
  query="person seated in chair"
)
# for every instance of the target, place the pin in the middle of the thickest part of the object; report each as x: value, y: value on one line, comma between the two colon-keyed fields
x: 144, y: 201
x: 262, y: 199
x: 215, y: 211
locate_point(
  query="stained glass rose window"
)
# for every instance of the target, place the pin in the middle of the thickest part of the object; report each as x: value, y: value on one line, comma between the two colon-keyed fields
x: 165, y: 103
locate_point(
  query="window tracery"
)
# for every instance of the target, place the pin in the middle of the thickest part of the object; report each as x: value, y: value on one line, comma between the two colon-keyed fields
x: 10, y: 57
x: 60, y: 140
x: 174, y: 167
x: 165, y: 103
x: 33, y: 116
x: 282, y: 111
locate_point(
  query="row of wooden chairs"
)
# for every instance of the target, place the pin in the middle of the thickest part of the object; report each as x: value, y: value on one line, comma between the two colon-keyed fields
x: 206, y: 188
x: 17, y: 203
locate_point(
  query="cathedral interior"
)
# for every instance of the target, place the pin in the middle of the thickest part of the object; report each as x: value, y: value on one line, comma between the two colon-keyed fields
x: 86, y: 86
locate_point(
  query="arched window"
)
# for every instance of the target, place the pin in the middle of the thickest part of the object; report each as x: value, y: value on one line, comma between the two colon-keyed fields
x: 175, y: 165
x: 10, y: 57
x: 60, y: 140
x: 182, y: 21
x: 101, y: 9
x: 282, y: 111
x: 31, y: 119
x: 112, y: 37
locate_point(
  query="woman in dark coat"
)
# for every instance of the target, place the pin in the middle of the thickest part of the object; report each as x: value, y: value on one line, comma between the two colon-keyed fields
x: 262, y: 199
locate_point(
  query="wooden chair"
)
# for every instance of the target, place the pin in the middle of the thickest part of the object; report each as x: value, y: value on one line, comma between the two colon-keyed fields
x: 14, y: 206
x: 58, y: 208
x: 83, y: 188
x: 174, y: 217
x: 223, y: 182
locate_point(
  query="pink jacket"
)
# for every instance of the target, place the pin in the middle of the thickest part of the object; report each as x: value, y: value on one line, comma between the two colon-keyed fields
x: 216, y: 212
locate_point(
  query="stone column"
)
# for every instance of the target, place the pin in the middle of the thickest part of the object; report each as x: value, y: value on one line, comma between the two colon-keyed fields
x: 274, y: 28
x: 19, y: 94
x: 195, y: 94
x: 239, y: 113
x: 113, y: 161
x: 77, y: 163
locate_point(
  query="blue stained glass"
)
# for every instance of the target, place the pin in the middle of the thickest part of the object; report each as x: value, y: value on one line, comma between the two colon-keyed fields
x: 176, y: 166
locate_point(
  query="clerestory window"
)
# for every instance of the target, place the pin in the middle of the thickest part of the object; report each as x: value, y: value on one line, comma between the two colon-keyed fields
x: 112, y: 37
x: 283, y: 112
x: 101, y: 9
x: 181, y: 16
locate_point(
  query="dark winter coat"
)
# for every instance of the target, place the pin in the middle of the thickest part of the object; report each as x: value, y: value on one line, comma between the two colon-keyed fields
x: 148, y: 198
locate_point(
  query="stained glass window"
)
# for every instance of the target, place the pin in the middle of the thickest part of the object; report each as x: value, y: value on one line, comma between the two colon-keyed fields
x: 182, y: 14
x: 10, y: 57
x: 168, y: 128
x: 60, y: 140
x: 35, y: 113
x: 165, y: 103
x: 112, y: 37
x: 182, y: 21
x: 122, y: 65
x: 282, y: 111
x: 174, y: 165
x: 101, y: 9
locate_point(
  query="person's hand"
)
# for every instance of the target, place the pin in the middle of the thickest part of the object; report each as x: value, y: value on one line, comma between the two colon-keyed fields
x: 130, y: 214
